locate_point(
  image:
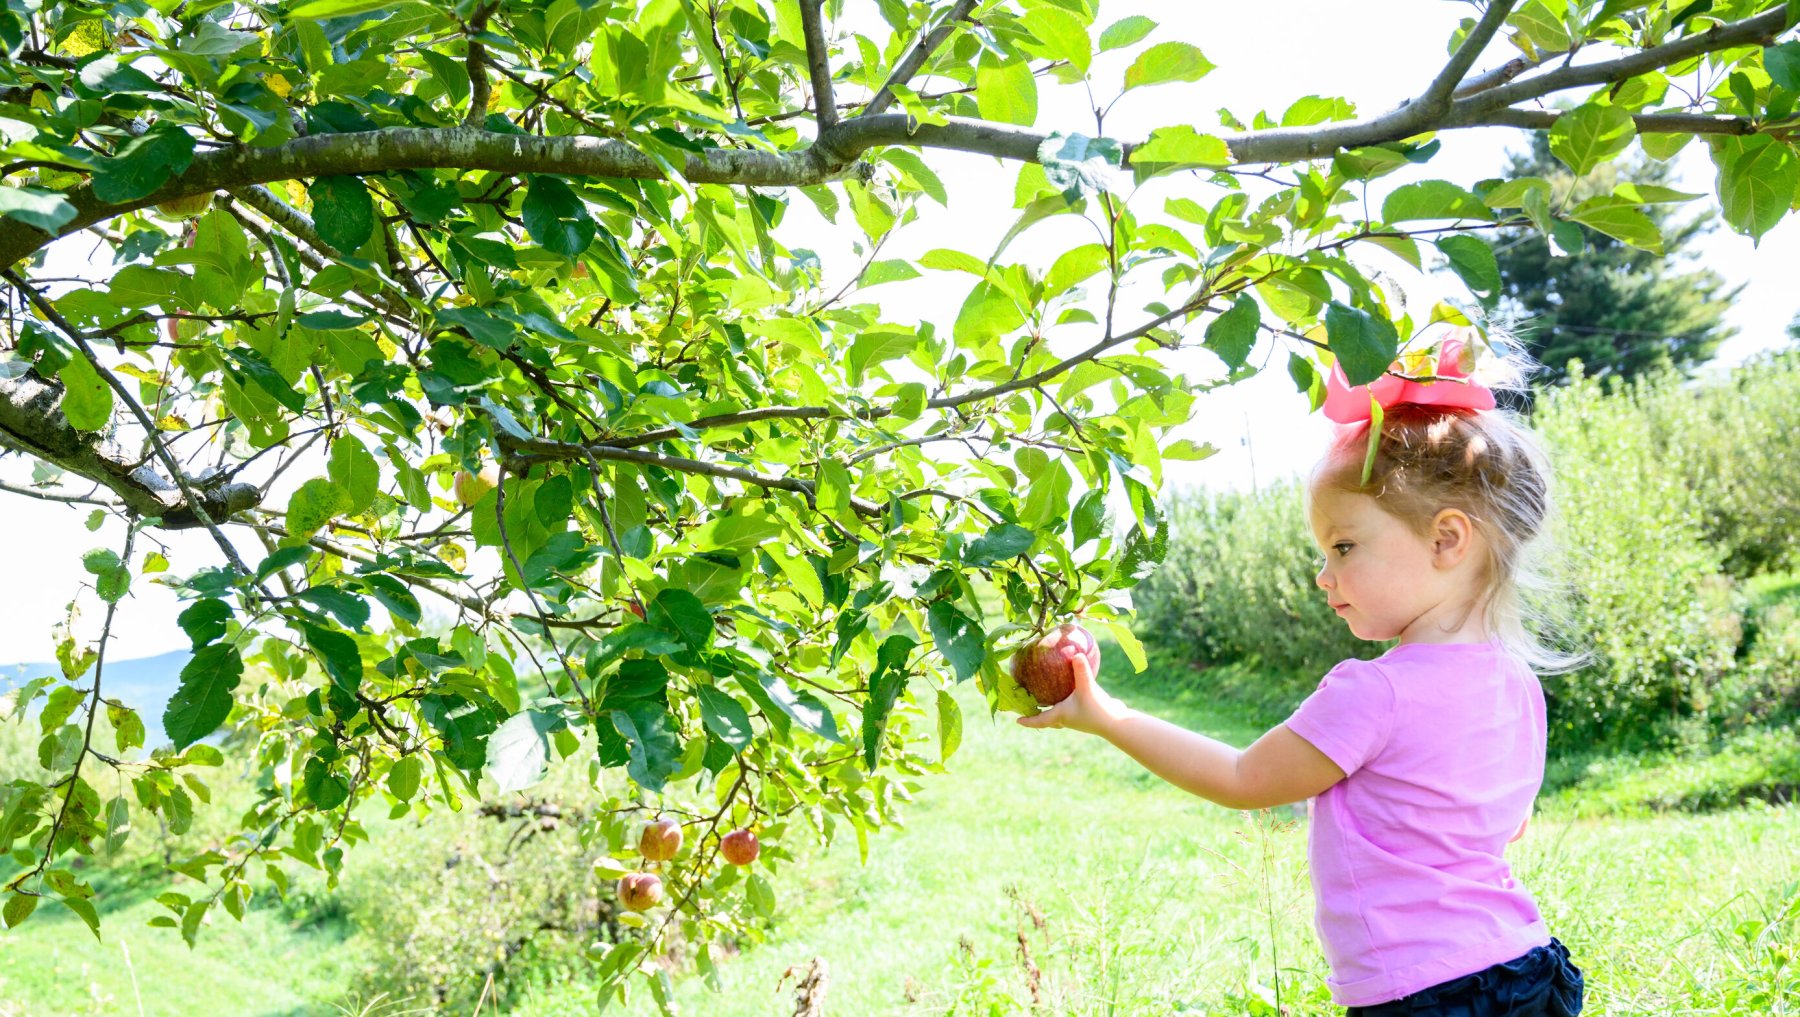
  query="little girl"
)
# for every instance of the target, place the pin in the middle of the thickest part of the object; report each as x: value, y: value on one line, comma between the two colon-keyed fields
x: 1422, y: 764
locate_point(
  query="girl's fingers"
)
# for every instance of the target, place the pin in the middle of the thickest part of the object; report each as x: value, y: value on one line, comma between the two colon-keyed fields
x: 1049, y: 718
x: 1084, y: 673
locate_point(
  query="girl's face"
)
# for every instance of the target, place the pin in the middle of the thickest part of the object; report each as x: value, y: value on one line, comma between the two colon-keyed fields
x: 1385, y: 580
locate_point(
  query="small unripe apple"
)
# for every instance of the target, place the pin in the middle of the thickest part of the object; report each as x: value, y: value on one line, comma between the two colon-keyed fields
x: 186, y: 208
x: 660, y: 840
x: 739, y: 847
x: 1041, y: 669
x: 635, y: 608
x: 640, y: 891
x: 472, y: 487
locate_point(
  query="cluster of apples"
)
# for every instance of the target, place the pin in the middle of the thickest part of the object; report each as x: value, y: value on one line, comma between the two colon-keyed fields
x: 641, y: 891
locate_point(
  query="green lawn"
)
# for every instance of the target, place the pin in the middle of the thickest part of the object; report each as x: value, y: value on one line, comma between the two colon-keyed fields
x: 1130, y: 897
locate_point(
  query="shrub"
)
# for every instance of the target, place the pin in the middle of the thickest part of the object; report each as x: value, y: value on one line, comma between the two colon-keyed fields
x: 1237, y: 586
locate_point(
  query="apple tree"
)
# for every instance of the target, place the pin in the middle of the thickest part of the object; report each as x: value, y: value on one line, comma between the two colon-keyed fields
x: 739, y: 531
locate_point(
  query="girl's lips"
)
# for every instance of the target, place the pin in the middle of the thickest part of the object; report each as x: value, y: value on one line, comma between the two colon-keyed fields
x: 1339, y: 607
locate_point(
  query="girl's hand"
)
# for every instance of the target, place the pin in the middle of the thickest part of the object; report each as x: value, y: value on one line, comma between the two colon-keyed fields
x: 1088, y: 708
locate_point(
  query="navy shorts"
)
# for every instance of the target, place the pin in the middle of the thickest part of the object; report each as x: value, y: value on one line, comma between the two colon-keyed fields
x: 1542, y: 983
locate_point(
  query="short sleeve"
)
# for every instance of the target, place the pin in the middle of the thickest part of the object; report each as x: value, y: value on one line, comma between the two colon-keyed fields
x: 1350, y: 716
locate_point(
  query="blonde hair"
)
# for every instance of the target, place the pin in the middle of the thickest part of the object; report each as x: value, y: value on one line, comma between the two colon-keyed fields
x: 1490, y: 465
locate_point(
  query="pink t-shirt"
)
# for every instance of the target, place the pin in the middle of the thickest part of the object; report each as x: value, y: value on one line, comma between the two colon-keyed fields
x: 1443, y: 745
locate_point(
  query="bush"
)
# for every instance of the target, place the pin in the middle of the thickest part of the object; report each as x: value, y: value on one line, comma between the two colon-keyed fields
x: 1237, y: 587
x: 1651, y: 598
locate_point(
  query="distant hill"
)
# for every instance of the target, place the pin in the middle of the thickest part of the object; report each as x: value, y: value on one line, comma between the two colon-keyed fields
x: 144, y: 684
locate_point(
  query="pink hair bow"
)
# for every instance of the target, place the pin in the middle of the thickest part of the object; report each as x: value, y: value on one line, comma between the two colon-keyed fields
x: 1348, y: 405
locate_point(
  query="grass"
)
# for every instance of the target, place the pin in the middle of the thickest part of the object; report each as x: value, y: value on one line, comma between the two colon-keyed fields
x: 1153, y: 902
x: 1048, y: 874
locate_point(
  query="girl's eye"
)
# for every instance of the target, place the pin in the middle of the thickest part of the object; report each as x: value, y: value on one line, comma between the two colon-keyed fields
x: 1341, y: 548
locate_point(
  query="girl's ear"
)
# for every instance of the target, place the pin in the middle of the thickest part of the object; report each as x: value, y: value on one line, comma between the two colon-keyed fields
x: 1452, y: 534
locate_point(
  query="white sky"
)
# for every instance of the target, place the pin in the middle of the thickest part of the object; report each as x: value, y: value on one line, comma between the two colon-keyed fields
x: 1315, y: 47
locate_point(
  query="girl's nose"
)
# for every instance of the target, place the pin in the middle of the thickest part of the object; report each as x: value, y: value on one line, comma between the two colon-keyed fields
x: 1320, y: 578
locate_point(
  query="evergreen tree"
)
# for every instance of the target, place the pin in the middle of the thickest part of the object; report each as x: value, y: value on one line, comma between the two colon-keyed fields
x: 1617, y: 309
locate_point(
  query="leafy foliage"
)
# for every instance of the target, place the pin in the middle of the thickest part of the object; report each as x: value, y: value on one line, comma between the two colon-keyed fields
x: 724, y: 560
x: 1619, y: 309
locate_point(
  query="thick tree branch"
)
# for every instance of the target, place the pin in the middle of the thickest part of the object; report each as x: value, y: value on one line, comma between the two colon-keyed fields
x: 919, y: 55
x: 837, y: 147
x: 32, y: 422
x: 818, y: 61
x: 193, y: 501
x: 1500, y: 75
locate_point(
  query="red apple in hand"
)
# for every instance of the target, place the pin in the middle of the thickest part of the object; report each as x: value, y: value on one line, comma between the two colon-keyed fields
x: 1044, y: 669
x: 739, y: 847
x: 660, y: 840
x: 640, y: 891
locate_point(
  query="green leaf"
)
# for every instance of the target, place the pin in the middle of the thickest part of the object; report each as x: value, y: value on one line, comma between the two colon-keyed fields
x: 18, y: 908
x: 112, y: 578
x: 1365, y: 345
x: 724, y: 716
x: 1125, y: 31
x: 803, y: 708
x: 1542, y: 27
x: 1783, y: 65
x: 949, y: 725
x: 204, y: 621
x: 1757, y: 180
x: 46, y: 210
x: 319, y: 9
x: 343, y: 212
x: 87, y: 399
x: 1076, y: 162
x: 1233, y: 334
x: 518, y: 753
x: 403, y: 777
x: 958, y: 637
x: 1589, y: 135
x: 254, y: 368
x: 355, y: 470
x: 1473, y: 260
x: 885, y: 685
x: 800, y: 575
x: 1165, y: 62
x: 1059, y: 35
x: 878, y: 346
x: 326, y: 790
x: 1621, y: 221
x: 338, y: 653
x: 312, y: 506
x: 203, y: 700
x: 1003, y: 542
x: 556, y: 218
x: 1006, y: 92
x: 1181, y: 145
x: 84, y: 910
x: 651, y: 739
x: 682, y: 615
x: 988, y: 312
x: 143, y: 164
x: 1432, y: 199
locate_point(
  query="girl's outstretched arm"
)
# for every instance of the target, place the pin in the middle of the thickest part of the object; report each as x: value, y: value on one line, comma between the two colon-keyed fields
x: 1281, y: 767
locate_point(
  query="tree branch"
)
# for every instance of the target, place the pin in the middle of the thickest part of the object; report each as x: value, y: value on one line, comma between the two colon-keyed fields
x: 1647, y: 123
x: 1436, y: 97
x: 196, y: 504
x: 544, y: 450
x: 818, y: 60
x: 837, y: 147
x: 480, y: 89
x: 1763, y: 28
x: 32, y: 422
x: 920, y: 54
